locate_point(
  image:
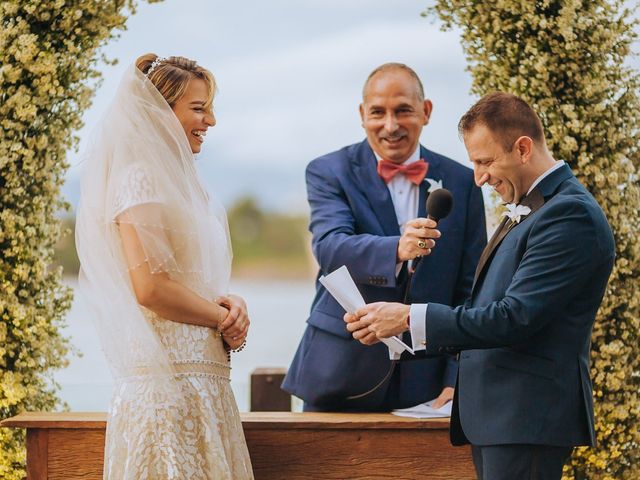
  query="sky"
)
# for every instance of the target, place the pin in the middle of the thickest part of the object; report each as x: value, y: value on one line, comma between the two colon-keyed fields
x: 290, y: 77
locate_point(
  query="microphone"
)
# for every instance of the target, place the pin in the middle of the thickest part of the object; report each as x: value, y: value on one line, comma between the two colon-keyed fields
x: 439, y: 205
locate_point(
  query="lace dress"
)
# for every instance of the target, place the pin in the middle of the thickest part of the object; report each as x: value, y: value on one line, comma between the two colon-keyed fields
x: 154, y: 433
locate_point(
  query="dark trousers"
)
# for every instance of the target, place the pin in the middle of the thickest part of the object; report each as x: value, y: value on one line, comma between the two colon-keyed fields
x: 519, y: 462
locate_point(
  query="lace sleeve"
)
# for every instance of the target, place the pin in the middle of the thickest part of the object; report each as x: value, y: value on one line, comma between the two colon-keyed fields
x: 136, y: 187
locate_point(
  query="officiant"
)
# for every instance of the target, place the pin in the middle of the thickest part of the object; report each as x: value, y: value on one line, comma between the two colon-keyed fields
x: 368, y: 212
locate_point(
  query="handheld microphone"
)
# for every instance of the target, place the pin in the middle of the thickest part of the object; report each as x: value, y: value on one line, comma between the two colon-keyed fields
x: 439, y: 205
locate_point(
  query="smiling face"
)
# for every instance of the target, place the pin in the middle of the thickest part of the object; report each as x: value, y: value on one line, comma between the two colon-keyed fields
x: 506, y: 172
x: 194, y: 114
x: 393, y: 114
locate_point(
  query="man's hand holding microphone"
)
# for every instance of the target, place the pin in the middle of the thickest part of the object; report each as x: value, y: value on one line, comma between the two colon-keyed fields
x: 383, y: 320
x: 418, y: 238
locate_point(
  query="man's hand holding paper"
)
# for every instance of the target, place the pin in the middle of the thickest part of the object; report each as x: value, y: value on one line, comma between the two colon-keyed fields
x: 342, y: 287
x: 378, y: 321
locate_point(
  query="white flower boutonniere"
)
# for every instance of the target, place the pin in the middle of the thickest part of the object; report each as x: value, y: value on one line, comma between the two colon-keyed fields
x: 433, y: 184
x: 516, y: 212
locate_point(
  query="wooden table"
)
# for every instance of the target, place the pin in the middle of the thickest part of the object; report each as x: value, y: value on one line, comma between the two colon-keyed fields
x: 283, y: 446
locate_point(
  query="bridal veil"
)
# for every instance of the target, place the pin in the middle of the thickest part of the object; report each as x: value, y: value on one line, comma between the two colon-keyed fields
x: 139, y: 169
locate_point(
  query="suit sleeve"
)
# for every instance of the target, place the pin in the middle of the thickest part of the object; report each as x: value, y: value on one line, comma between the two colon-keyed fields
x: 450, y: 372
x: 561, y: 256
x: 335, y: 239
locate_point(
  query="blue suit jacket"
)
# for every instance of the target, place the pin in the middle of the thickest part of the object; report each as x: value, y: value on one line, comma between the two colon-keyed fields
x: 525, y: 332
x: 353, y: 223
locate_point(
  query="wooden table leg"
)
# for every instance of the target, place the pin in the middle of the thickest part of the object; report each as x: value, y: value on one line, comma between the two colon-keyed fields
x: 37, y: 453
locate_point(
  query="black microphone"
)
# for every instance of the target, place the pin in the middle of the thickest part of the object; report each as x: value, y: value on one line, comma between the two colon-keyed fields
x: 439, y: 205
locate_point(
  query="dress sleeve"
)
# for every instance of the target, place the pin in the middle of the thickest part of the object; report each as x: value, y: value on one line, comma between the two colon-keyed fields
x: 136, y: 203
x: 135, y: 187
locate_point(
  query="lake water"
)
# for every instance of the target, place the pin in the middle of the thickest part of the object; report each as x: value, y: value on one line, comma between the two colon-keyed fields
x: 278, y: 310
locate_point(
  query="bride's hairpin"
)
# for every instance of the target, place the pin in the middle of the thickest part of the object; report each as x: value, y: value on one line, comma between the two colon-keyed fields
x: 155, y: 64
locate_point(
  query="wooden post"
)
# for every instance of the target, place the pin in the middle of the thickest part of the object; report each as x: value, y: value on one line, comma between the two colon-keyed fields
x: 37, y: 454
x: 266, y: 394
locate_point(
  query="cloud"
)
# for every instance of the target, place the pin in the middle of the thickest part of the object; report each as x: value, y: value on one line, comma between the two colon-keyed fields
x: 302, y: 101
x: 290, y: 77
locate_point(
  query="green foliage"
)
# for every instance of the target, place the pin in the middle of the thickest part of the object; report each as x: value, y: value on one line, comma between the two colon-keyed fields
x: 48, y: 57
x: 267, y: 244
x: 566, y: 58
x: 65, y: 253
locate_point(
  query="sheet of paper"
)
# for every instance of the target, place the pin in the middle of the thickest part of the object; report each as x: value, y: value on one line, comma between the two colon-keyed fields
x: 342, y: 287
x: 425, y: 410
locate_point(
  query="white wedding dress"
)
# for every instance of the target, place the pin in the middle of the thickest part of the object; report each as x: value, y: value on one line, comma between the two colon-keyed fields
x: 150, y: 436
x: 155, y: 432
x: 173, y: 415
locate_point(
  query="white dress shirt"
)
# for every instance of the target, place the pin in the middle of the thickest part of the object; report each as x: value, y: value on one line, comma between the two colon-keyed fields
x: 418, y: 311
x: 556, y: 166
x: 404, y: 196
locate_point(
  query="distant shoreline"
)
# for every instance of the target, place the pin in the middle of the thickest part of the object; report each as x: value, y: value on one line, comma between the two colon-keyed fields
x: 250, y: 273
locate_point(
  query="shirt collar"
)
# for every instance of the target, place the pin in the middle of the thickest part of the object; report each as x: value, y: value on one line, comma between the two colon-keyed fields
x: 555, y: 167
x: 414, y: 157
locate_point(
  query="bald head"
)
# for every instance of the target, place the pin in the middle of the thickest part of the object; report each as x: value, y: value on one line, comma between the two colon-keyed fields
x: 394, y: 68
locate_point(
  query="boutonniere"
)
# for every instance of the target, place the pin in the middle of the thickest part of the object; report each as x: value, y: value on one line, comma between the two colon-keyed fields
x: 433, y: 184
x: 516, y: 212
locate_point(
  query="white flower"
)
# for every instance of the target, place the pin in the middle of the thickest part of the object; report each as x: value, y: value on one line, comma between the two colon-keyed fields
x: 433, y: 184
x: 516, y: 212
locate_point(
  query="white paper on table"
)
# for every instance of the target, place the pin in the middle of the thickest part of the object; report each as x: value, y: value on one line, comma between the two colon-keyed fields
x: 425, y: 410
x: 342, y: 287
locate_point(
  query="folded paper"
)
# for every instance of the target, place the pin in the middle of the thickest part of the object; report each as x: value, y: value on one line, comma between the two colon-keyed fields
x: 425, y: 410
x: 342, y: 287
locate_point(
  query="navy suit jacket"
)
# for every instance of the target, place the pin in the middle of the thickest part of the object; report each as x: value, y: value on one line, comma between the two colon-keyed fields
x: 353, y: 223
x: 525, y: 332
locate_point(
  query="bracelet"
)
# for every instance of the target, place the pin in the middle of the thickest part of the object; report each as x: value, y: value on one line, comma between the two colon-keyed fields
x: 240, y: 348
x: 234, y: 350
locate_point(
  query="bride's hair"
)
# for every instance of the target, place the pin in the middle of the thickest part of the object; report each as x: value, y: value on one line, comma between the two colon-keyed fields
x: 171, y: 76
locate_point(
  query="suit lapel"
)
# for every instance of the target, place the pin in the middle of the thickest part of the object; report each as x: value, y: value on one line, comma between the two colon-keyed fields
x: 374, y: 188
x: 535, y: 200
x: 376, y: 191
x: 434, y: 173
x: 496, y: 238
x: 422, y: 199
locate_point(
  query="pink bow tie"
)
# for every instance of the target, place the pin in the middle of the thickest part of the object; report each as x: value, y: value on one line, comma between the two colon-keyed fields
x: 414, y: 172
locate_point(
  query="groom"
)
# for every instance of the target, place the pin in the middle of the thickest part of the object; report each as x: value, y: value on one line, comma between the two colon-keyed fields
x: 367, y: 212
x: 523, y: 396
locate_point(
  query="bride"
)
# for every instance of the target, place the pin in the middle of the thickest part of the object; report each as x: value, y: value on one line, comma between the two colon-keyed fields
x: 155, y: 255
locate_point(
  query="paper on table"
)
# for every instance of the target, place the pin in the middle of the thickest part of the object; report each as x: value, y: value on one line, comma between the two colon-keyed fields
x: 340, y: 284
x: 425, y: 410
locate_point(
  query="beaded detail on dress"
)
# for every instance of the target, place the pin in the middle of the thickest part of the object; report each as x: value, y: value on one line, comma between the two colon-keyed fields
x: 150, y: 436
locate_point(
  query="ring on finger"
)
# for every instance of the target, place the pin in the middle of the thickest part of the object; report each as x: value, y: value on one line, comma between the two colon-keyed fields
x: 422, y: 244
